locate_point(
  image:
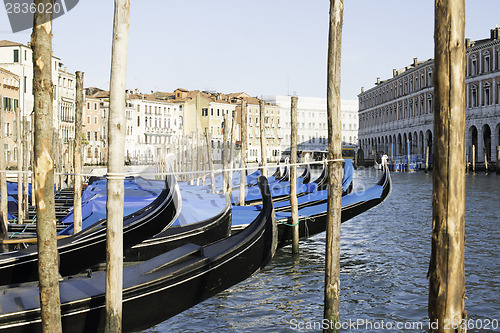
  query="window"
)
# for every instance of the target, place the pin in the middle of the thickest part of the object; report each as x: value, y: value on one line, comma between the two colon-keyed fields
x: 473, y: 67
x: 95, y: 120
x: 96, y: 138
x: 486, y: 97
x: 204, y: 112
x: 25, y: 55
x: 138, y: 121
x: 473, y: 101
x: 16, y: 55
x: 88, y: 135
x: 486, y: 64
x: 88, y: 119
x: 25, y: 83
x: 96, y: 153
x: 95, y: 106
x: 88, y: 105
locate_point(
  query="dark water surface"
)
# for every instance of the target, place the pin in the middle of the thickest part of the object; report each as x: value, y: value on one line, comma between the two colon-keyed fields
x: 384, y: 262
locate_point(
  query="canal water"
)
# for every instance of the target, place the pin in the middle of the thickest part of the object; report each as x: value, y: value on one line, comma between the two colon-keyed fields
x: 384, y: 263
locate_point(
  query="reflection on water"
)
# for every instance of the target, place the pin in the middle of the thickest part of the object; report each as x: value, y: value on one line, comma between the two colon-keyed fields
x: 384, y: 262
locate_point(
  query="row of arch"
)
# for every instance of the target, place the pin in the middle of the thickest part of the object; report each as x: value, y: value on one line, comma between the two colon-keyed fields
x: 484, y: 138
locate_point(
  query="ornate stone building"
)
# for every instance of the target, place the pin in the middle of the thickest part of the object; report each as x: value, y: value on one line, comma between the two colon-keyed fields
x: 396, y: 116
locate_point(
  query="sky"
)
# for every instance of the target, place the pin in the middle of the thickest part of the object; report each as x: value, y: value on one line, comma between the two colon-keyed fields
x: 261, y: 47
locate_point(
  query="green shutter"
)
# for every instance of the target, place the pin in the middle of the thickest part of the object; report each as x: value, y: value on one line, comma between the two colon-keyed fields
x: 16, y: 55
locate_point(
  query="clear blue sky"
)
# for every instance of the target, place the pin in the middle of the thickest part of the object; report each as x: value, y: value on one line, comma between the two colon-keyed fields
x: 261, y: 47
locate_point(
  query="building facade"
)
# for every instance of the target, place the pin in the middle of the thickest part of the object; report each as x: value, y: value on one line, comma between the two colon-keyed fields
x: 396, y: 116
x: 91, y: 121
x: 152, y: 127
x: 9, y: 99
x: 312, y: 130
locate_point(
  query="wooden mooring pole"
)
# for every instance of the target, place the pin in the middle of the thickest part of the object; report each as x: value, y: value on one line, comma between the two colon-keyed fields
x: 473, y: 158
x: 293, y: 176
x: 263, y: 144
x: 3, y: 176
x: 225, y: 153
x: 48, y: 273
x: 498, y: 161
x: 19, y: 157
x: 208, y: 137
x: 243, y: 129
x: 26, y: 149
x: 426, y: 159
x: 446, y: 269
x: 332, y: 252
x: 485, y: 160
x: 77, y: 156
x: 116, y: 169
x: 231, y: 153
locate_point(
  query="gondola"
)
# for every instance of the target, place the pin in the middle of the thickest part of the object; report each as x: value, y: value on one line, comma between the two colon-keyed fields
x: 280, y: 191
x: 312, y: 218
x: 154, y: 290
x: 204, y: 219
x: 88, y: 247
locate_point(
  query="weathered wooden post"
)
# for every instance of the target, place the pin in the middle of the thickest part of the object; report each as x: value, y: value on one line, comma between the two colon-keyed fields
x: 446, y: 269
x: 231, y: 153
x: 198, y: 160
x: 32, y: 157
x: 204, y: 159
x: 210, y: 160
x: 3, y: 177
x: 293, y: 177
x: 26, y: 149
x: 332, y: 255
x: 473, y: 158
x: 426, y: 159
x: 263, y: 143
x: 193, y: 159
x: 116, y: 169
x: 77, y: 156
x: 485, y: 160
x: 225, y: 153
x: 19, y: 145
x: 498, y: 160
x: 41, y: 41
x: 243, y: 130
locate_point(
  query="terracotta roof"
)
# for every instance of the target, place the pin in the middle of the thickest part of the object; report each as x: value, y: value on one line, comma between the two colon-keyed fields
x: 101, y: 94
x: 8, y: 72
x: 9, y: 43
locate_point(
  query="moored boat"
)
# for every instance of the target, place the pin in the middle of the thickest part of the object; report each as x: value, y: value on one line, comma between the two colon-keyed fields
x: 154, y: 290
x: 88, y: 247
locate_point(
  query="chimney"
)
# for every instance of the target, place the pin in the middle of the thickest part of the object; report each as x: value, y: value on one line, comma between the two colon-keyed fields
x: 362, y: 89
x: 378, y: 81
x: 394, y: 73
x: 415, y: 62
x: 495, y: 33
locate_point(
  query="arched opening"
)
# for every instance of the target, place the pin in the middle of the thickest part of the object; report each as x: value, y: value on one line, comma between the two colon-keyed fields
x: 497, y: 142
x: 487, y: 141
x: 421, y: 143
x: 428, y: 143
x: 410, y: 144
x: 398, y: 145
x: 473, y: 142
x: 405, y: 145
